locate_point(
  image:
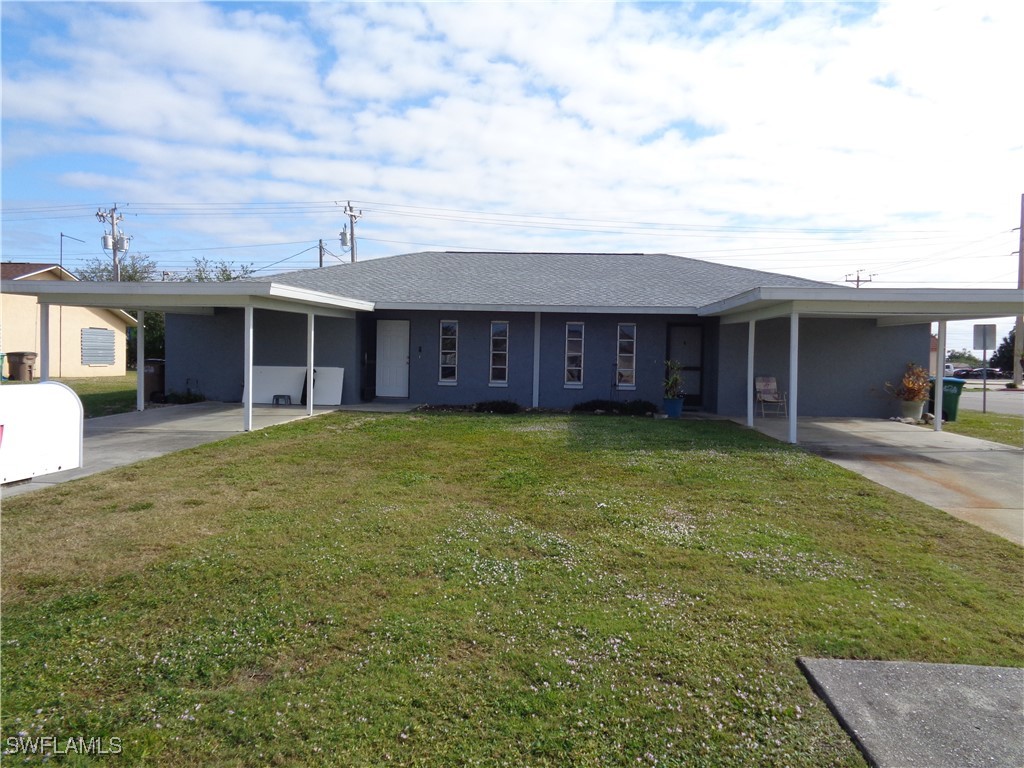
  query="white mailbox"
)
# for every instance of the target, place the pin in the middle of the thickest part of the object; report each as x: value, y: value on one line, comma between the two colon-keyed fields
x: 40, y: 430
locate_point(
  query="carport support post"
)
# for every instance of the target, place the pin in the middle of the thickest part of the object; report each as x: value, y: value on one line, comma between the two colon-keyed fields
x: 309, y: 364
x: 140, y: 362
x: 536, y: 360
x: 247, y: 372
x: 750, y: 373
x: 940, y: 372
x: 44, y: 342
x: 794, y: 348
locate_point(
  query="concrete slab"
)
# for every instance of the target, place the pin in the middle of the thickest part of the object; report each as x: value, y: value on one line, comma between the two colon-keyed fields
x: 125, y: 438
x: 908, y: 714
x: 974, y: 480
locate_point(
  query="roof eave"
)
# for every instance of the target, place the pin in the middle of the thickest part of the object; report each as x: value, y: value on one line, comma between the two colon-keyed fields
x: 170, y: 297
x: 886, y: 305
x: 414, y: 306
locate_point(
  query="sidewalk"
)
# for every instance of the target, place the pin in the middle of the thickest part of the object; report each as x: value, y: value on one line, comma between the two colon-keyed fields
x: 974, y: 480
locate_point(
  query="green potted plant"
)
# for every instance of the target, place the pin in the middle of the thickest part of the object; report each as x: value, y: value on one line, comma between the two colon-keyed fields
x: 912, y: 391
x: 673, y: 402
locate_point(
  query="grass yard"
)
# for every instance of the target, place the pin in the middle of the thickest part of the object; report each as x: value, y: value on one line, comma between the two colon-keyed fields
x: 455, y: 589
x: 997, y: 427
x: 105, y: 395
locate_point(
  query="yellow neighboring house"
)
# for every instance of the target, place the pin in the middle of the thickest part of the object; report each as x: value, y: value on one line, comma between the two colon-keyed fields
x: 83, y: 341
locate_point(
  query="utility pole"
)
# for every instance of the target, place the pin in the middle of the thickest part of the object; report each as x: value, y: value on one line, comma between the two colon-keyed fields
x: 350, y: 234
x: 321, y: 253
x: 858, y: 279
x: 1018, y: 333
x: 116, y: 242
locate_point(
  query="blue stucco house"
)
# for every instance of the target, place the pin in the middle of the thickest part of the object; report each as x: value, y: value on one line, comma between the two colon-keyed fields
x: 545, y: 330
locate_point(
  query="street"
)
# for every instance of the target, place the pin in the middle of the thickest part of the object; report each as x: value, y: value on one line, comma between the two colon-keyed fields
x: 998, y: 399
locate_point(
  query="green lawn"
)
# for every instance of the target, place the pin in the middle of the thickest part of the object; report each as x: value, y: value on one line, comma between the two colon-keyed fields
x: 105, y: 395
x: 101, y: 395
x: 997, y: 427
x: 454, y: 589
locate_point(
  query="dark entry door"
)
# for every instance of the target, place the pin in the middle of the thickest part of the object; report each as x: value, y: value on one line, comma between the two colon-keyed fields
x: 685, y: 344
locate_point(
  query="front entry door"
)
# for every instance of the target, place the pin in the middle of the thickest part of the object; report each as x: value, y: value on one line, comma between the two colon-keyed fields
x: 684, y: 345
x: 392, y: 358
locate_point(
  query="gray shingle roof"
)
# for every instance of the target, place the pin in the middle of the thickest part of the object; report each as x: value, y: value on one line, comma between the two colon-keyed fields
x: 527, y: 280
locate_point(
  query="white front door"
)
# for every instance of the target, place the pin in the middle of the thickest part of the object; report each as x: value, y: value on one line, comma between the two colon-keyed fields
x: 392, y: 358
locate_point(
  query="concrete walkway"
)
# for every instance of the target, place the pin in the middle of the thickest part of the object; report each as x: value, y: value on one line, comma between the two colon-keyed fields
x: 911, y: 715
x: 974, y: 480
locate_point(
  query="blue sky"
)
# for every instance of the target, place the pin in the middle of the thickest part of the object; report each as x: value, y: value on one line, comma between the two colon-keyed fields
x: 812, y: 139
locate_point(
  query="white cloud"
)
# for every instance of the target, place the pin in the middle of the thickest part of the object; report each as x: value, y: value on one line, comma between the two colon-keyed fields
x: 895, y: 118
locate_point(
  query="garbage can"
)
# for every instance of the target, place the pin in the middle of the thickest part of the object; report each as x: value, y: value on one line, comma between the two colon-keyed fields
x: 22, y: 365
x: 153, y: 381
x: 951, y: 389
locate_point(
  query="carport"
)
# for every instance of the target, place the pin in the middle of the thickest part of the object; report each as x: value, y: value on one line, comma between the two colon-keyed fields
x: 885, y: 306
x: 192, y: 298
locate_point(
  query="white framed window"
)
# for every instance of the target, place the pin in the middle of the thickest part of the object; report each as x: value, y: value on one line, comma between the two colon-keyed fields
x: 574, y: 355
x: 499, y: 353
x: 448, y: 362
x: 625, y: 359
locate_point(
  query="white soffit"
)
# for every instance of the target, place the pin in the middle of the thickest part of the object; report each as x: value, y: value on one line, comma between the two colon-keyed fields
x: 187, y: 297
x: 885, y: 305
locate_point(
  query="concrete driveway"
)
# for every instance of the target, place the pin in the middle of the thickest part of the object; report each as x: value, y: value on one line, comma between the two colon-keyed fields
x: 114, y: 441
x: 974, y: 480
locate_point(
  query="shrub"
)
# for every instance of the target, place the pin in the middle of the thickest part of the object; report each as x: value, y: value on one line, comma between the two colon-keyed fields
x: 627, y: 408
x: 639, y: 407
x: 497, y: 406
x: 182, y: 398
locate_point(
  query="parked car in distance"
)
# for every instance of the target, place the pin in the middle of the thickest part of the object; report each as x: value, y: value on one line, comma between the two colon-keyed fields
x: 963, y: 373
x: 986, y: 373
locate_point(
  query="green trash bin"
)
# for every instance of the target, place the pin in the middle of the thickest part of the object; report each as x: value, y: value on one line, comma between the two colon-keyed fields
x: 951, y: 389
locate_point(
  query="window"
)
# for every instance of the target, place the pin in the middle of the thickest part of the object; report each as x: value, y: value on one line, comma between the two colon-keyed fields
x: 499, y: 353
x: 97, y: 346
x: 625, y: 360
x: 574, y: 355
x: 448, y: 372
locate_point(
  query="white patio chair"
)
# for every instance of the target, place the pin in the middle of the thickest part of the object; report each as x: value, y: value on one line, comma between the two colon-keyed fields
x: 769, y: 397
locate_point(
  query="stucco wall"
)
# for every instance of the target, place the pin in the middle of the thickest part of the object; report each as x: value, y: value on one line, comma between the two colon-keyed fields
x: 600, y: 338
x: 205, y: 353
x: 20, y: 332
x: 843, y: 364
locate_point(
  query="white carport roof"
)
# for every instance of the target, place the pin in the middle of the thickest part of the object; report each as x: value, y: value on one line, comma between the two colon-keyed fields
x: 886, y: 306
x: 188, y: 297
x: 203, y: 298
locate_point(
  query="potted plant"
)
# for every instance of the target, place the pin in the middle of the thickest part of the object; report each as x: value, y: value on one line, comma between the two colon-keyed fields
x: 673, y: 402
x: 912, y: 391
